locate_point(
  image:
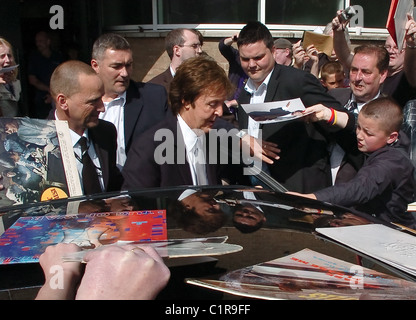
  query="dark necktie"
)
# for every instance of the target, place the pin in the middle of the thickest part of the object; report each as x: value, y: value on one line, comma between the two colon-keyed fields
x: 352, y: 106
x: 89, y: 173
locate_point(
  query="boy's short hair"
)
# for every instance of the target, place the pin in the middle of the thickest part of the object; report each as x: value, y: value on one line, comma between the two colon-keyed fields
x: 385, y: 110
x: 331, y: 67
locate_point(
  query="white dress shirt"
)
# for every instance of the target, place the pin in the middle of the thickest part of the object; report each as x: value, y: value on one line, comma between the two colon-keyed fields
x: 78, y: 154
x: 114, y: 113
x: 194, y: 146
x: 258, y: 95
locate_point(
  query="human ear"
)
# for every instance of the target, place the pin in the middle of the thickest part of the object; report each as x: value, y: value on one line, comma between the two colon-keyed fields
x: 383, y: 76
x: 392, y: 137
x: 61, y: 101
x: 94, y: 65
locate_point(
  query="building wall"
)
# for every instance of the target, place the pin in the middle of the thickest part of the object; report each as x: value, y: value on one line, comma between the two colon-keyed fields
x: 150, y: 58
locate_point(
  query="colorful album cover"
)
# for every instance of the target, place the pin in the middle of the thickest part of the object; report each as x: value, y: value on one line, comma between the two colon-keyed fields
x: 310, y: 275
x: 37, y: 161
x: 28, y: 238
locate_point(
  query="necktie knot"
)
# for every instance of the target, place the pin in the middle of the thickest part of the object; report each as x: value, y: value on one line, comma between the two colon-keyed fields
x: 352, y: 106
x: 89, y: 171
x: 83, y: 143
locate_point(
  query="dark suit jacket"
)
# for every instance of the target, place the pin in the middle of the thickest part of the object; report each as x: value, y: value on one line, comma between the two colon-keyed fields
x: 353, y: 159
x: 163, y: 79
x: 146, y: 105
x: 104, y: 138
x: 342, y: 95
x: 304, y: 160
x: 142, y: 171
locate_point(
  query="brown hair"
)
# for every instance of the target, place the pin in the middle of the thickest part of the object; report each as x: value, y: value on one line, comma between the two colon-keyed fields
x: 331, y: 67
x: 194, y: 77
x: 386, y: 111
x: 383, y: 57
x: 65, y: 78
x: 175, y: 38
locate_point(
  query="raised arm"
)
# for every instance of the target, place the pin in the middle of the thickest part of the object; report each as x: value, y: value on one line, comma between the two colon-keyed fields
x: 341, y: 47
x: 410, y: 54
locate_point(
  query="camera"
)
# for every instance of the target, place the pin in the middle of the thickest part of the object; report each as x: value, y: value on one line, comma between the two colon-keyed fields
x: 347, y: 14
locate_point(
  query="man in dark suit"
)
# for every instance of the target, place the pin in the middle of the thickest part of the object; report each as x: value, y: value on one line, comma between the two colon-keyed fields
x: 180, y: 44
x: 77, y: 92
x: 131, y: 106
x: 396, y: 84
x: 304, y: 158
x: 174, y: 152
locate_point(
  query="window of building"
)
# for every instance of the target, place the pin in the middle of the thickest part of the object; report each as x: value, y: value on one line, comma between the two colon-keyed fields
x: 375, y: 12
x: 213, y: 11
x: 301, y: 12
x: 126, y: 12
x: 286, y: 15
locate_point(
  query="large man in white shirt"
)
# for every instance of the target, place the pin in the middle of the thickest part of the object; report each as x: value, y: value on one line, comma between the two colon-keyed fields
x: 303, y: 163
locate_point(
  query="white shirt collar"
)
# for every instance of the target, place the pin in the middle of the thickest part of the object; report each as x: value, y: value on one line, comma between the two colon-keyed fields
x: 119, y: 101
x: 361, y: 104
x: 189, y: 136
x: 74, y: 136
x: 172, y: 71
x: 251, y: 88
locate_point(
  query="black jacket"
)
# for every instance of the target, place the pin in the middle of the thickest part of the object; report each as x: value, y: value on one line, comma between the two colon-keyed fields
x: 383, y: 187
x: 304, y: 159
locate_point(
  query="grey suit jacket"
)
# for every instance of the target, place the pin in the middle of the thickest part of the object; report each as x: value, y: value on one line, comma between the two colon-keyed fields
x: 343, y: 95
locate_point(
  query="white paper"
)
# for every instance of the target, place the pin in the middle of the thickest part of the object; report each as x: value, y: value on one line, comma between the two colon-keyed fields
x: 400, y: 18
x: 393, y: 247
x: 275, y: 111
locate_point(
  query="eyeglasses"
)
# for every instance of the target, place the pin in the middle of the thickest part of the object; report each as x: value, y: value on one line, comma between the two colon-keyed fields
x: 393, y: 49
x: 195, y: 45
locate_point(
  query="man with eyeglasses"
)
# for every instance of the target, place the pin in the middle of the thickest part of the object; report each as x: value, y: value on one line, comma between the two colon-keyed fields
x: 396, y: 84
x: 180, y: 44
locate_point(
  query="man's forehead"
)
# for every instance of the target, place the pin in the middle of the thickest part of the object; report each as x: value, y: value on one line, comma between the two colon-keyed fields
x: 369, y: 59
x: 114, y: 54
x: 187, y: 35
x: 258, y: 48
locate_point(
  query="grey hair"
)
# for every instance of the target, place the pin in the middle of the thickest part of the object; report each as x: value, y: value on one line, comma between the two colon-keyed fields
x: 109, y: 41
